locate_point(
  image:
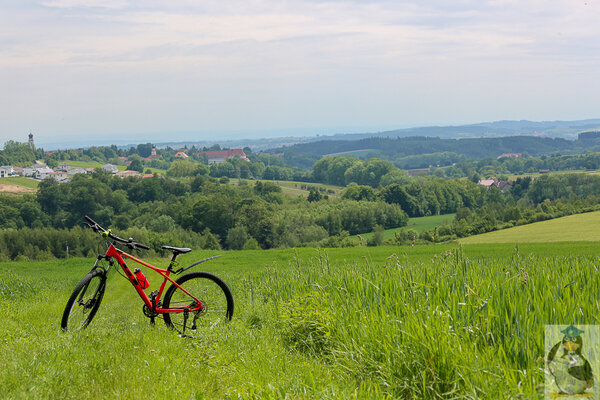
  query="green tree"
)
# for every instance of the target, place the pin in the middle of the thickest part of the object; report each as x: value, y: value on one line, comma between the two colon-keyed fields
x: 237, y: 237
x: 210, y: 241
x: 136, y: 165
x: 314, y: 195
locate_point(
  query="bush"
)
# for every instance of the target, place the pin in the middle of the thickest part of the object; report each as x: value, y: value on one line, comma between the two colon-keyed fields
x: 377, y: 238
x: 237, y: 237
x: 251, y: 244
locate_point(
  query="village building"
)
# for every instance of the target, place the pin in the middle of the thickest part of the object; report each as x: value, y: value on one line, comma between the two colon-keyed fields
x: 110, y: 168
x: 31, y: 170
x: 64, y: 167
x: 43, y: 173
x: 126, y: 173
x: 153, y: 154
x: 502, y: 185
x: 182, y: 155
x: 58, y: 176
x: 75, y: 171
x: 487, y: 182
x: 6, y: 170
x: 216, y: 157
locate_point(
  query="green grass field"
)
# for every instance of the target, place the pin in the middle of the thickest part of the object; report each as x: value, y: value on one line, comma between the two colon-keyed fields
x: 427, y: 322
x: 418, y: 224
x: 21, y: 181
x: 294, y: 189
x: 578, y: 227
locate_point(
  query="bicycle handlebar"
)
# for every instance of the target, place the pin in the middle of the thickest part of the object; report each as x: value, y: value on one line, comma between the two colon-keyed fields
x: 108, y: 234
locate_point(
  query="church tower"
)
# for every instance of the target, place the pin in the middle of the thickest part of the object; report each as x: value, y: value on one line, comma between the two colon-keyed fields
x: 31, y: 141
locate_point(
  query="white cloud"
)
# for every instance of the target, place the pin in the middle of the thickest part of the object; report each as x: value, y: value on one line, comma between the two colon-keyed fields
x: 256, y: 58
x: 108, y: 4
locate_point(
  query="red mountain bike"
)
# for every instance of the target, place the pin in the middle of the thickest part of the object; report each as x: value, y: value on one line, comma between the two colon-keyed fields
x: 194, y: 300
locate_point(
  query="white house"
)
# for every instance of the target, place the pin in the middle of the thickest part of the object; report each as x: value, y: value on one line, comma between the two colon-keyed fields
x: 6, y: 170
x: 217, y: 157
x: 58, y: 176
x: 28, y: 171
x: 110, y: 168
x: 75, y: 171
x: 43, y: 173
x: 32, y: 170
x: 64, y: 167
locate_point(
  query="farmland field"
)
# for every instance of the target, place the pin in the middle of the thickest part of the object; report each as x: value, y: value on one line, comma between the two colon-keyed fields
x: 438, y: 321
x: 578, y: 227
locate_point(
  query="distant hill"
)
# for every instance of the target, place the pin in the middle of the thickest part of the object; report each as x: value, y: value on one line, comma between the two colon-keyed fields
x: 555, y: 129
x: 551, y: 129
x: 476, y: 148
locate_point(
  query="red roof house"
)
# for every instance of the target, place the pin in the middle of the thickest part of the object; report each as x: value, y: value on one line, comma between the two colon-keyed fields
x: 222, y: 155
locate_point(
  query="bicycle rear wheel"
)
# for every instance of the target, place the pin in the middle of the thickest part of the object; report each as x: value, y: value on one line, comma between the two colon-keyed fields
x: 84, y: 301
x: 214, y: 295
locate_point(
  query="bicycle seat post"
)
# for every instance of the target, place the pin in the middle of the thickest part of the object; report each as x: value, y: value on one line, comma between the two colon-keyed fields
x: 173, y: 263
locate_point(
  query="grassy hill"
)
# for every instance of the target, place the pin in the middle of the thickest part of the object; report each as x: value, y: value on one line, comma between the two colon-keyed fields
x: 578, y: 227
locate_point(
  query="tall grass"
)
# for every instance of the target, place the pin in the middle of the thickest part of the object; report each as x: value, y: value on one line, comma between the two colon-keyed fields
x: 429, y: 322
x: 453, y: 327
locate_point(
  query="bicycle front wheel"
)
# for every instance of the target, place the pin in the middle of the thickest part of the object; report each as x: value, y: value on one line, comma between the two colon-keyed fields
x: 210, y: 290
x: 85, y: 301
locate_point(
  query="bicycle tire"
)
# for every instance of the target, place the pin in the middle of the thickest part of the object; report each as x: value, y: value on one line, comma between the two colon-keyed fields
x: 212, y: 291
x: 84, y: 302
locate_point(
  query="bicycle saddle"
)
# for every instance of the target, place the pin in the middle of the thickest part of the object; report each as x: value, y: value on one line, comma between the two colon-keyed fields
x: 177, y: 250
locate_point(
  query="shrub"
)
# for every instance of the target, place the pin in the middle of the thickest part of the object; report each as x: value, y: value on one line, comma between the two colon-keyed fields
x: 251, y: 244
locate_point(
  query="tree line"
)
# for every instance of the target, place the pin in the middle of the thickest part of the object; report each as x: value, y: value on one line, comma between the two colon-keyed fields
x: 249, y: 216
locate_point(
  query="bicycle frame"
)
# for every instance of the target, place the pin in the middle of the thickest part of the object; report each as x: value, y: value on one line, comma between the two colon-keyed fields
x: 117, y: 254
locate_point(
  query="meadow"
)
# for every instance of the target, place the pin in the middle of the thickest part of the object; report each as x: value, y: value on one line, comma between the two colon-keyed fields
x: 295, y: 189
x: 418, y: 224
x: 577, y: 227
x: 434, y: 322
x: 21, y: 181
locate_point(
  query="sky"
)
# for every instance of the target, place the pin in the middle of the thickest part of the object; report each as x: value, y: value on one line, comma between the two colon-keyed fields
x: 120, y: 70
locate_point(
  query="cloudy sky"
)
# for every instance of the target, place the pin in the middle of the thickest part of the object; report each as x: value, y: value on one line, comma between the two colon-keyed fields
x: 204, y: 69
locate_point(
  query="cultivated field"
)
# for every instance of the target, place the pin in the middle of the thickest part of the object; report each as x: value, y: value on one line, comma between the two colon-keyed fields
x: 578, y: 227
x: 439, y: 321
